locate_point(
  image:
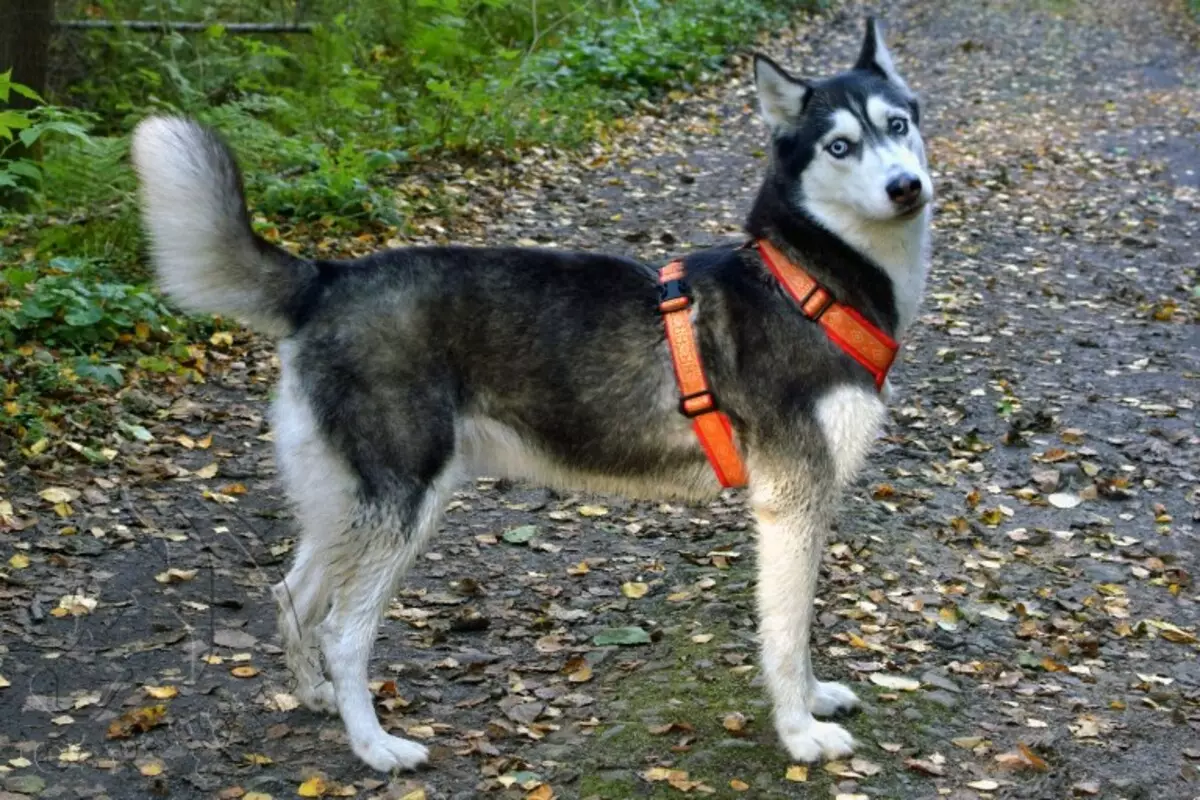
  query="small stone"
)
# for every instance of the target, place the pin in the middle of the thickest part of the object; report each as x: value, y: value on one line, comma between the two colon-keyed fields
x: 942, y: 698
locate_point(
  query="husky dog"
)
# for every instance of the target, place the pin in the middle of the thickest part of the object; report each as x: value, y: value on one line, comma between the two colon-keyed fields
x: 406, y: 370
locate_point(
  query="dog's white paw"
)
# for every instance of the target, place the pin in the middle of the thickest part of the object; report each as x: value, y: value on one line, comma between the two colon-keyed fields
x: 318, y: 698
x: 386, y: 753
x: 817, y: 739
x: 832, y: 698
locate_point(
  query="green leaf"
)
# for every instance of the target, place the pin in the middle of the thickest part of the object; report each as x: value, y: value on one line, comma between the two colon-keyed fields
x: 14, y: 119
x: 104, y: 374
x: 137, y: 432
x: 520, y: 535
x: 25, y: 168
x: 155, y: 364
x: 621, y: 636
x: 82, y: 317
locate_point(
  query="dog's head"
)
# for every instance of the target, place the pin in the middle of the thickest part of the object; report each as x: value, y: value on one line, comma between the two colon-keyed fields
x: 847, y: 148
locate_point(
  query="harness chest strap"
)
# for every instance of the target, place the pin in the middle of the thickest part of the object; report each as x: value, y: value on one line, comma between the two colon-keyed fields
x: 696, y: 402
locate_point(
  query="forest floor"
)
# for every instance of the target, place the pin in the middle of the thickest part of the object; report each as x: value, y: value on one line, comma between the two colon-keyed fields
x: 1011, y: 587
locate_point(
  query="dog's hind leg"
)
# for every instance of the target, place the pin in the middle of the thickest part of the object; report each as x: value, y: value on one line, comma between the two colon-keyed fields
x: 303, y: 601
x: 365, y: 563
x: 793, y: 514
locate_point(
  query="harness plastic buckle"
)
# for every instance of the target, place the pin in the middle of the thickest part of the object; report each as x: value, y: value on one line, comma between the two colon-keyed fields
x: 696, y: 404
x: 673, y: 295
x: 825, y: 305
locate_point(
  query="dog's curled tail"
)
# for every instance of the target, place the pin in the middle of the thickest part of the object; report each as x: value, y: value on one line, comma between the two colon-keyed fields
x: 206, y: 255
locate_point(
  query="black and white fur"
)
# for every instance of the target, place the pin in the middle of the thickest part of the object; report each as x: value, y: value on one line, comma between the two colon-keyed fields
x: 404, y: 371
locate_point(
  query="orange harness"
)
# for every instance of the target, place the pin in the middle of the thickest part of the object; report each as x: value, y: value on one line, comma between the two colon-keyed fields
x: 862, y: 341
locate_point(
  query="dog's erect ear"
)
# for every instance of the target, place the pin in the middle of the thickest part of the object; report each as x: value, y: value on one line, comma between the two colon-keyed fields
x: 780, y: 95
x: 876, y: 58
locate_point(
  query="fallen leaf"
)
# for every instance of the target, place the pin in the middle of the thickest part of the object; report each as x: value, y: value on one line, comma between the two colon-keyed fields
x: 19, y: 561
x: 1064, y: 500
x: 797, y: 773
x: 1033, y: 758
x: 592, y: 511
x: 73, y: 754
x: 282, y: 701
x: 734, y: 722
x: 151, y: 768
x: 75, y: 605
x: 895, y: 682
x: 621, y: 636
x: 58, y: 494
x: 313, y: 787
x: 634, y: 590
x: 244, y: 671
x: 138, y: 720
x: 520, y: 535
x: 174, y: 575
x: 925, y: 766
x: 985, y: 785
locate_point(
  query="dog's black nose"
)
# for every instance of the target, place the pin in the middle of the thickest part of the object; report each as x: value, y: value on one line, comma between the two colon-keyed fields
x: 904, y: 190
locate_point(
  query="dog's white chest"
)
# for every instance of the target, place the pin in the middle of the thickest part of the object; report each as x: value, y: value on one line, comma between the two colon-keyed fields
x: 850, y: 418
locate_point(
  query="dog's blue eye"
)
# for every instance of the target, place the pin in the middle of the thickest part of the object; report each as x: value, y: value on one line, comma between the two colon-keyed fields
x: 899, y: 126
x: 838, y: 148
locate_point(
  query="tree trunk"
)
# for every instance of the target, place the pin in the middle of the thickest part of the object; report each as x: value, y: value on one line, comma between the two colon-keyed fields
x: 24, y: 42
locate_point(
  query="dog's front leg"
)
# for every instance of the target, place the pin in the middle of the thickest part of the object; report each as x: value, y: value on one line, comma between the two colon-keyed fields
x: 791, y: 532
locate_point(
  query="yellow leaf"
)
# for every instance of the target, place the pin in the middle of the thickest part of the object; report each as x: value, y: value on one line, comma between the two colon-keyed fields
x: 19, y: 561
x: 205, y: 443
x: 64, y: 510
x: 579, y: 569
x: 4, y: 682
x: 221, y: 339
x: 256, y: 796
x: 415, y: 794
x: 258, y: 759
x: 543, y: 792
x: 592, y: 511
x: 581, y: 675
x: 313, y: 787
x: 138, y: 720
x: 174, y: 575
x: 207, y: 472
x: 244, y: 672
x: 58, y: 494
x: 161, y: 692
x: 739, y: 786
x: 75, y: 604
x: 151, y: 768
x: 634, y: 590
x: 797, y: 773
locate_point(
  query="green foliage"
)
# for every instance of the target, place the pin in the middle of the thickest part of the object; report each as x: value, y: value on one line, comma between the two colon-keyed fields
x: 68, y: 331
x: 21, y: 130
x: 70, y: 303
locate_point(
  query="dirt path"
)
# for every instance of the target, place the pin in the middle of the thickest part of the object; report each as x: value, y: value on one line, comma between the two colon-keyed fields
x: 1020, y: 554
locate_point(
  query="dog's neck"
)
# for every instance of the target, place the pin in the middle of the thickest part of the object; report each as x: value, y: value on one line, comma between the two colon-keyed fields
x: 878, y: 268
